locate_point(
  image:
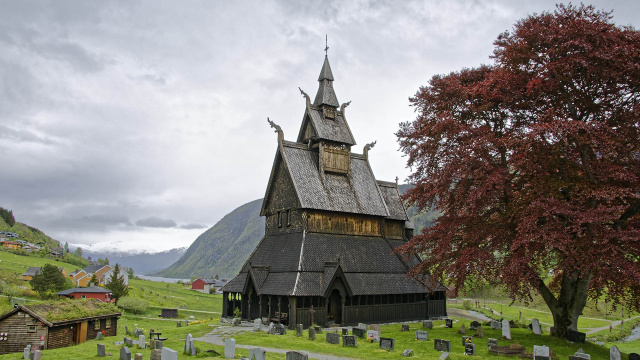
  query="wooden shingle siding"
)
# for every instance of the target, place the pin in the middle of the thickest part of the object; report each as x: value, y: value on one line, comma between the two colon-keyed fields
x: 60, y: 336
x: 341, y: 223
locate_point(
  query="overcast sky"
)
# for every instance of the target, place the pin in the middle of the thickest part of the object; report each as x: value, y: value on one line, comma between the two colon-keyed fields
x: 137, y: 125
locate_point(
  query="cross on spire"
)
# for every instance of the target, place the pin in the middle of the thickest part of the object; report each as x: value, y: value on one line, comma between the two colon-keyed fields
x: 326, y: 45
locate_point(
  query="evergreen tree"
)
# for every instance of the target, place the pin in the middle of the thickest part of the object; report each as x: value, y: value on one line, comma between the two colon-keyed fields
x: 49, y: 281
x: 116, y: 284
x: 94, y: 280
x: 66, y: 247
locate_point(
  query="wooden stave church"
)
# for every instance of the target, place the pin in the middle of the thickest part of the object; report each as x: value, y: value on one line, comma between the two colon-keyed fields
x: 327, y: 255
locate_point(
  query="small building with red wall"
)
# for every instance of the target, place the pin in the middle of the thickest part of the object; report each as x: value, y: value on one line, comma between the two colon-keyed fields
x: 205, y: 285
x: 95, y: 292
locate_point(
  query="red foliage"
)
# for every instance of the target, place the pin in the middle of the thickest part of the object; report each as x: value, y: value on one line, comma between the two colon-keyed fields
x: 534, y: 161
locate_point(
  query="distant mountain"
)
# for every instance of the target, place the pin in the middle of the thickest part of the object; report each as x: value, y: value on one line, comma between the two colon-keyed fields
x: 140, y: 262
x: 223, y: 249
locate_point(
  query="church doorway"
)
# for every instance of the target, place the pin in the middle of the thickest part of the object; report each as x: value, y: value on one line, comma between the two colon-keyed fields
x: 334, y: 307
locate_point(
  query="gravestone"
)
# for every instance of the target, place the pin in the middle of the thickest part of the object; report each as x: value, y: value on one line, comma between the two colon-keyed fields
x: 375, y: 327
x: 614, y: 353
x: 541, y: 353
x: 576, y: 336
x: 194, y: 352
x: 492, y: 342
x: 101, y: 352
x: 296, y: 355
x: 141, y: 342
x: 462, y: 329
x: 257, y: 354
x: 26, y: 352
x: 128, y: 341
x: 318, y: 329
x: 363, y: 326
x: 169, y: 354
x: 479, y: 332
x: 138, y: 356
x: 186, y: 323
x: 257, y: 323
x: 159, y: 344
x: 359, y: 332
x: 535, y: 326
x: 387, y: 343
x: 125, y: 354
x: 405, y: 327
x: 496, y: 325
x: 36, y: 355
x: 187, y: 344
x: 179, y: 324
x: 156, y: 354
x: 506, y: 329
x: 442, y: 345
x: 467, y: 340
x: 427, y: 324
x: 581, y: 355
x: 373, y: 336
x: 126, y: 330
x: 349, y: 340
x: 299, y: 330
x: 333, y: 338
x: 271, y: 329
x: 444, y: 356
x: 422, y: 335
x: 135, y: 331
x: 345, y: 331
x: 152, y: 343
x: 407, y: 353
x: 448, y: 323
x: 229, y: 348
x: 474, y: 325
x: 634, y: 356
x: 99, y: 336
x: 312, y: 333
x: 280, y: 329
x: 470, y: 349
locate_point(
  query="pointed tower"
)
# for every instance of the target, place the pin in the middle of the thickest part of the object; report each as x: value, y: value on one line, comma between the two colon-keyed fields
x: 331, y: 228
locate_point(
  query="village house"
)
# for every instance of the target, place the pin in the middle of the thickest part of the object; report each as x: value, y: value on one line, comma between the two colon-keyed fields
x: 80, y: 278
x: 53, y: 325
x: 28, y: 275
x: 92, y: 292
x: 327, y: 256
x: 10, y: 244
x: 206, y: 285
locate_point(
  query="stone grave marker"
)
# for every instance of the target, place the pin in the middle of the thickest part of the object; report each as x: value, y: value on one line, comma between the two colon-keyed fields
x: 422, y: 335
x: 179, y: 324
x: 187, y: 344
x: 442, y: 345
x: 296, y: 355
x: 375, y: 327
x: 359, y: 332
x: 156, y: 354
x: 576, y: 336
x: 506, y: 329
x: 541, y: 353
x: 427, y: 324
x: 614, y: 353
x: 448, y: 323
x: 492, y: 342
x: 345, y: 331
x: 229, y: 348
x: 405, y: 327
x: 479, y: 332
x: 125, y: 354
x: 194, y: 352
x: 138, y: 356
x: 99, y: 335
x: 444, y: 356
x: 387, y: 343
x: 581, y: 355
x: 141, y: 341
x: 36, y: 355
x: 280, y: 329
x: 634, y: 356
x: 299, y: 330
x: 152, y: 343
x: 333, y: 338
x: 312, y: 333
x: 363, y: 326
x: 128, y: 341
x: 535, y: 326
x: 159, y: 344
x: 349, y: 340
x: 407, y: 352
x: 470, y: 349
x: 101, y: 351
x: 495, y: 325
x: 373, y: 335
x: 257, y: 323
x: 467, y: 340
x: 474, y: 325
x: 26, y: 352
x: 186, y: 323
x: 168, y: 354
x: 318, y: 329
x: 257, y: 354
x: 126, y: 330
x: 271, y: 330
x: 462, y: 329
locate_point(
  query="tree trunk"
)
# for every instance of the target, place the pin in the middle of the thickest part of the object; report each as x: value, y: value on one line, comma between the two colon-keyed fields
x: 568, y: 306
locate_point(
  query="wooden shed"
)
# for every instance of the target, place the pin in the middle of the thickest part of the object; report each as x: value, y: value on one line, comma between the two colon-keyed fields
x: 53, y: 325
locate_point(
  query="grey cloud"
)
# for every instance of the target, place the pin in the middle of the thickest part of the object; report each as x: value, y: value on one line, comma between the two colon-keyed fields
x: 156, y: 222
x: 22, y: 136
x: 193, y: 226
x: 108, y: 219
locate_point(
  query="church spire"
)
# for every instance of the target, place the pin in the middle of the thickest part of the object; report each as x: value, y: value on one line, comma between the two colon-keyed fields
x: 326, y: 95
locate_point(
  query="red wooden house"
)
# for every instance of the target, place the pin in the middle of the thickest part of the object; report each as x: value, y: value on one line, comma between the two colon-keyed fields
x: 96, y: 292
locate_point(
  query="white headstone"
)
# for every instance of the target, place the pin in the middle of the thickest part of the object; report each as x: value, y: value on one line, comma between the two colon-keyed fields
x: 541, y: 352
x: 27, y: 352
x: 582, y: 355
x: 229, y: 349
x: 141, y: 342
x: 535, y: 325
x: 187, y: 344
x: 506, y: 329
x: 257, y: 323
x: 614, y: 353
x: 169, y: 354
x: 444, y: 356
x: 373, y: 335
x: 257, y: 354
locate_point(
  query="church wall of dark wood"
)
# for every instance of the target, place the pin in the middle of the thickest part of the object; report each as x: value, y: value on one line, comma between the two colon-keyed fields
x: 290, y: 220
x: 283, y: 194
x: 394, y: 229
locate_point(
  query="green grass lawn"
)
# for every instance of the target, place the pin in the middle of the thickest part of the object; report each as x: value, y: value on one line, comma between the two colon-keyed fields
x: 18, y: 264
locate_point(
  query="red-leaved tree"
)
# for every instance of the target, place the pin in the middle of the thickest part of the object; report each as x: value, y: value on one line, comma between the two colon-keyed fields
x: 534, y: 163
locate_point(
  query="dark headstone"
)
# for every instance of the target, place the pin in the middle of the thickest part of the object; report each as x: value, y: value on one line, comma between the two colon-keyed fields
x: 634, y: 356
x: 101, y: 351
x: 387, y: 343
x: 159, y: 344
x: 125, y: 354
x: 318, y: 329
x: 126, y: 330
x: 442, y: 345
x: 469, y: 349
x: 156, y: 354
x: 405, y: 327
x: 492, y: 342
x: 576, y: 336
x: 474, y: 325
x: 345, y: 331
x: 462, y: 329
x: 427, y: 324
x: 422, y: 335
x: 408, y: 352
x: 296, y: 355
x: 467, y: 340
x: 312, y: 333
x: 299, y: 330
x: 280, y: 329
x: 333, y: 338
x: 36, y: 355
x: 169, y: 313
x: 349, y: 340
x: 179, y: 324
x: 359, y: 332
x: 448, y: 323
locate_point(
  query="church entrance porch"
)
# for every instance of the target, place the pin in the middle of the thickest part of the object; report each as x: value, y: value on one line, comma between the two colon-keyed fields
x: 334, y: 309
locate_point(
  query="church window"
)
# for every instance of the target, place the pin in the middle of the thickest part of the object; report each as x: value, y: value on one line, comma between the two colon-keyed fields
x: 289, y: 217
x: 279, y: 218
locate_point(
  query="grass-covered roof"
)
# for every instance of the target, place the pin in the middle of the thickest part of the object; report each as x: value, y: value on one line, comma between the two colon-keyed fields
x: 64, y: 310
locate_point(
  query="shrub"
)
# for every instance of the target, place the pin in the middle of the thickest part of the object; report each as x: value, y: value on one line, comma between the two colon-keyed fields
x: 133, y: 305
x: 467, y: 304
